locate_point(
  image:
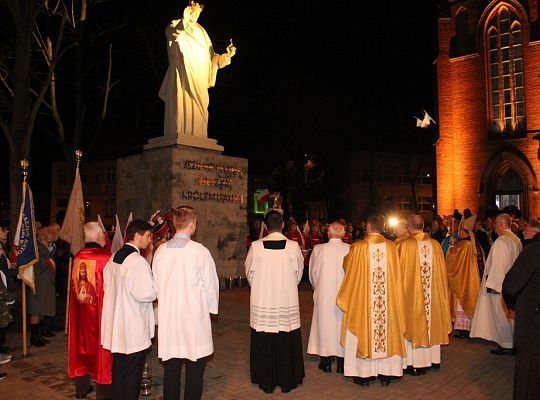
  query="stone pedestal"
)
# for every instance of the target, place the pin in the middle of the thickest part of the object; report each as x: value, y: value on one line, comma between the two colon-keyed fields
x: 193, y: 141
x: 163, y: 177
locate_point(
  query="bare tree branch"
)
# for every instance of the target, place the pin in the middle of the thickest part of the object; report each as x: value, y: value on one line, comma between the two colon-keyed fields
x: 44, y: 102
x: 4, y: 81
x: 107, y: 85
x: 107, y: 88
x: 43, y: 91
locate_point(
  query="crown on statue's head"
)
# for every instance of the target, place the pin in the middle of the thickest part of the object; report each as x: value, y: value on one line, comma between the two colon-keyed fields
x: 196, y: 6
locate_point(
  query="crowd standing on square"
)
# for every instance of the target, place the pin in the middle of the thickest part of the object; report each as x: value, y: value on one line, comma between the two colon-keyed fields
x: 385, y: 299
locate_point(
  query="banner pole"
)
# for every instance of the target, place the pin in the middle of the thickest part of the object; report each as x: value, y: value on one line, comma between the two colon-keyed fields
x: 24, y: 319
x: 68, y: 291
x: 24, y: 167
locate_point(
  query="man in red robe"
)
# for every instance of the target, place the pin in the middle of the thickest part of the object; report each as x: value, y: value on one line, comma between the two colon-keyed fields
x: 315, y: 237
x: 86, y: 357
x: 312, y: 236
x: 348, y: 236
x: 294, y: 233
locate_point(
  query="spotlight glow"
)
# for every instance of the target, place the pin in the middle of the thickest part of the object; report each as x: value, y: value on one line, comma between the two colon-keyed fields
x: 392, y: 221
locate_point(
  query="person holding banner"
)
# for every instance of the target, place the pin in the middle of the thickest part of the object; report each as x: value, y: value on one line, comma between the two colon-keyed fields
x: 43, y: 302
x: 127, y: 320
x: 86, y: 357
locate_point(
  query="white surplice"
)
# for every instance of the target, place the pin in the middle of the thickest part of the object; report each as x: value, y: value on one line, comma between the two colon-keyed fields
x: 188, y: 292
x: 326, y: 274
x: 127, y: 320
x: 490, y: 320
x: 274, y: 276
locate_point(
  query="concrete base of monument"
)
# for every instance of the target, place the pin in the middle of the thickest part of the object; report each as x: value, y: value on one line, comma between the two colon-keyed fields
x: 193, y: 141
x: 162, y: 178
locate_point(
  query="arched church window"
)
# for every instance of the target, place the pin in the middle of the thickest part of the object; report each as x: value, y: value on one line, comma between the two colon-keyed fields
x: 505, y: 70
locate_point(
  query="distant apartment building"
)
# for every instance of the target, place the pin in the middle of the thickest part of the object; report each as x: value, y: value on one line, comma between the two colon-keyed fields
x: 390, y: 183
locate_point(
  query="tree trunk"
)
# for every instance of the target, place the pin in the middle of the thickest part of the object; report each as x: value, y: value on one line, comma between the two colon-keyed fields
x: 15, y: 193
x: 18, y: 135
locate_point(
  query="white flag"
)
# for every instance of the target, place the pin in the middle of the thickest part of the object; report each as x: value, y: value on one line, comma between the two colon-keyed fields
x: 118, y: 239
x: 72, y: 228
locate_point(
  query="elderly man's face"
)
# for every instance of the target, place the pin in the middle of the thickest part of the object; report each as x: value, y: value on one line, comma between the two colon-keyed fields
x: 529, y: 232
x: 54, y: 229
x: 500, y: 226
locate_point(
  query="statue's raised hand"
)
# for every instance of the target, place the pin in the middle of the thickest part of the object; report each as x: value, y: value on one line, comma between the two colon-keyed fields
x: 231, y: 50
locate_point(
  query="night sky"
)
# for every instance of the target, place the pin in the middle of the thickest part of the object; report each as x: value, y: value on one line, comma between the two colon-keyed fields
x: 308, y: 78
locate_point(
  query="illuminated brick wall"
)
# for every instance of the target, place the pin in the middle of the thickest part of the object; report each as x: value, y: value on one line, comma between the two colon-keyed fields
x: 468, y: 162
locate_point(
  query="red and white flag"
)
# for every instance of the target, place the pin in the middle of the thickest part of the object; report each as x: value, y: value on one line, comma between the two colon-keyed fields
x: 424, y: 122
x: 263, y: 196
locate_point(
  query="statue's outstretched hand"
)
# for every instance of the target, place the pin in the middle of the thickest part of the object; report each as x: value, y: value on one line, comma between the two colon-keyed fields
x: 231, y: 50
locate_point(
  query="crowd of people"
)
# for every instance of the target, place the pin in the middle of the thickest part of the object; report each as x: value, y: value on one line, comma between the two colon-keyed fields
x: 385, y: 299
x: 49, y: 274
x: 474, y: 277
x: 380, y: 308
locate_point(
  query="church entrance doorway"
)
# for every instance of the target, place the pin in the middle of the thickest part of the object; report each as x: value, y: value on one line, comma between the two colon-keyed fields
x: 509, y: 190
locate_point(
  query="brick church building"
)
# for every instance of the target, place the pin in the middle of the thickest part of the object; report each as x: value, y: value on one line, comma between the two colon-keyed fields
x: 488, y: 73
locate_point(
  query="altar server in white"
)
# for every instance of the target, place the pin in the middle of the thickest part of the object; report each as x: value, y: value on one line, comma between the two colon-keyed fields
x: 326, y: 274
x: 127, y: 320
x: 274, y: 267
x: 188, y: 292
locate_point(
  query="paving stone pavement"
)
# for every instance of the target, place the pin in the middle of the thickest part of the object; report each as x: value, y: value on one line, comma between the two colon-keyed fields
x: 468, y: 370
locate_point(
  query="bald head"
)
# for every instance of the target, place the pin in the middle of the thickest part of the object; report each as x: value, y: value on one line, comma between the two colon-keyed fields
x: 415, y: 223
x: 336, y: 230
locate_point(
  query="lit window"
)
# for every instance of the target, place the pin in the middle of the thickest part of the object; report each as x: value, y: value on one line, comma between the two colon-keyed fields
x: 259, y: 207
x: 425, y: 204
x: 406, y: 203
x: 505, y: 69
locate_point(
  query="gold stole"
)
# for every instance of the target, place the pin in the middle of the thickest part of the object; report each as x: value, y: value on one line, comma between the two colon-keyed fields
x: 425, y: 255
x: 378, y: 268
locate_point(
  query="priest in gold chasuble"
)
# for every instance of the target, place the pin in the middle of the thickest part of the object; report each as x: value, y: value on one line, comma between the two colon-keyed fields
x: 371, y: 298
x: 427, y: 309
x: 464, y: 281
